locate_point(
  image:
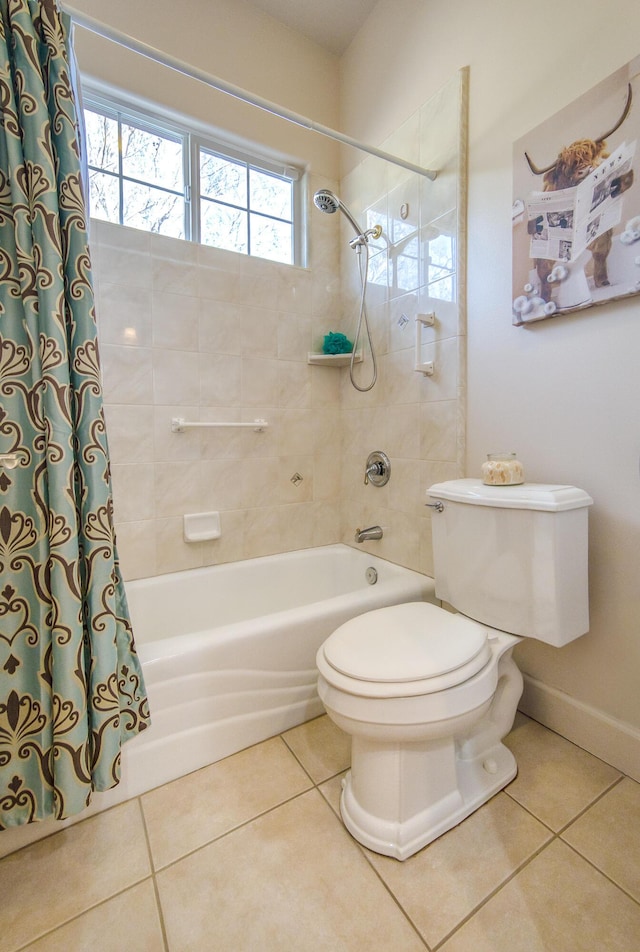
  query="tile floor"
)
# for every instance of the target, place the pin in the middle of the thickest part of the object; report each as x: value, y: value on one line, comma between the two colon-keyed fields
x: 249, y: 854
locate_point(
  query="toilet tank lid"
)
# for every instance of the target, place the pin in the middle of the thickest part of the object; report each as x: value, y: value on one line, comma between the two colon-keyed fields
x: 541, y: 496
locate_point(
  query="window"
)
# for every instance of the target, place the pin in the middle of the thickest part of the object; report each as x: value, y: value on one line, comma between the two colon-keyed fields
x: 157, y: 176
x: 245, y: 208
x: 136, y: 174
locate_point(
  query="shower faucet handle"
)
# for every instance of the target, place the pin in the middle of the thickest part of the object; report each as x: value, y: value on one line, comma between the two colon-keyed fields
x: 377, y: 469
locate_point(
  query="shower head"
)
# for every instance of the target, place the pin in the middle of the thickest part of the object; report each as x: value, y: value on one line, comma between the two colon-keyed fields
x: 328, y: 202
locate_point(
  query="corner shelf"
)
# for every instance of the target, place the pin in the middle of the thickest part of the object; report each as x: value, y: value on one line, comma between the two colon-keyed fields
x: 332, y: 360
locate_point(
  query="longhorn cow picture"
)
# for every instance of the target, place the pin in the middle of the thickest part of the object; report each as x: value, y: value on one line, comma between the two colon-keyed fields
x: 576, y: 208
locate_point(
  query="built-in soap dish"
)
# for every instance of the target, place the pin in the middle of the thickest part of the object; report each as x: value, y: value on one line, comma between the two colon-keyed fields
x: 333, y: 360
x: 201, y: 526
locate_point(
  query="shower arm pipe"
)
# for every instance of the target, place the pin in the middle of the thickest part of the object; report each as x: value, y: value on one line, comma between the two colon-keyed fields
x: 215, y: 82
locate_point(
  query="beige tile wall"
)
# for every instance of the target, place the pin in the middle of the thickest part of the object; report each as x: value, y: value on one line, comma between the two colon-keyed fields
x: 209, y: 335
x: 417, y: 420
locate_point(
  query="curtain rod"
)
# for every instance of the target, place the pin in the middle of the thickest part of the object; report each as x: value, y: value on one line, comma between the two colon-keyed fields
x: 179, y: 66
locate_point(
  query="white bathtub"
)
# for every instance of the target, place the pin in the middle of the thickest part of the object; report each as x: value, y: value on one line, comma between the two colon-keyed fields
x: 228, y: 652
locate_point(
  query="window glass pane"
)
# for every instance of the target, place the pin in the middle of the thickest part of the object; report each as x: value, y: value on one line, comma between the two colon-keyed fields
x: 104, y: 196
x: 407, y: 266
x: 379, y: 270
x: 270, y: 194
x: 443, y: 290
x: 400, y: 229
x: 439, y: 257
x: 153, y: 209
x: 271, y: 239
x: 223, y: 227
x: 223, y: 179
x: 102, y: 140
x: 152, y: 158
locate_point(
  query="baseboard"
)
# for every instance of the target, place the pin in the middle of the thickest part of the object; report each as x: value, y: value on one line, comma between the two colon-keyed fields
x: 614, y: 741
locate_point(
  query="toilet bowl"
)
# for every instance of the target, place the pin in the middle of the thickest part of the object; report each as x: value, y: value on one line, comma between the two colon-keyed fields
x: 427, y: 697
x: 428, y: 694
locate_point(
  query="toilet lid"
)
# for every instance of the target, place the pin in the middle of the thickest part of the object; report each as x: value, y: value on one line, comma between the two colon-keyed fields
x: 410, y: 642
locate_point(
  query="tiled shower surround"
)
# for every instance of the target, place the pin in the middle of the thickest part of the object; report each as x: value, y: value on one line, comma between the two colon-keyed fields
x: 193, y: 332
x: 208, y: 335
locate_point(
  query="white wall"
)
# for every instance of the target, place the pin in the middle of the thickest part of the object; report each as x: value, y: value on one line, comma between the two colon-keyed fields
x: 563, y: 393
x: 234, y: 41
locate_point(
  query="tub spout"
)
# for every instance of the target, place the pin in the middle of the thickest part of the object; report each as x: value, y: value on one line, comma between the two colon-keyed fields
x: 367, y: 535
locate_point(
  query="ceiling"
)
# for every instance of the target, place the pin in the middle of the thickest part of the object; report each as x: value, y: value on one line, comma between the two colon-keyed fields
x: 329, y: 23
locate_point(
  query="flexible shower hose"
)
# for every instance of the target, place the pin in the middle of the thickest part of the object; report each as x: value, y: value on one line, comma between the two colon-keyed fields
x: 362, y: 316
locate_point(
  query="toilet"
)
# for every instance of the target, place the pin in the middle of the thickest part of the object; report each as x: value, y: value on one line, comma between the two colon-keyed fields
x: 428, y: 693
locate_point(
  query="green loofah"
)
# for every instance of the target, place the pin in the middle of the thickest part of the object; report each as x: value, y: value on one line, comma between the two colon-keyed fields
x: 336, y: 344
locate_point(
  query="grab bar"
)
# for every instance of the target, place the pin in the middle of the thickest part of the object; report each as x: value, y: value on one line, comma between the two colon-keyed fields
x: 423, y: 320
x: 178, y: 425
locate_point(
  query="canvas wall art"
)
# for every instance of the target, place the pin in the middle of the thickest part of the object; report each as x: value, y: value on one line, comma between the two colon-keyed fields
x: 576, y: 203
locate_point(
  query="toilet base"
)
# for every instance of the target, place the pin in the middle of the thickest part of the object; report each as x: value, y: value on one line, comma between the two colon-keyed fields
x: 478, y: 780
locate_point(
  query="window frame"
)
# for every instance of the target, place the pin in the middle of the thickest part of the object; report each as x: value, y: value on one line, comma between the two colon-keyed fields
x: 195, y: 137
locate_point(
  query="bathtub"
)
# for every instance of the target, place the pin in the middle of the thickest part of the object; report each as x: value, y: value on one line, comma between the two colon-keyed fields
x: 228, y: 652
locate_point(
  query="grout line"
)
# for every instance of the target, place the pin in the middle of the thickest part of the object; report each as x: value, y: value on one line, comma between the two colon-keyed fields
x: 238, y: 826
x: 591, y: 863
x: 243, y: 823
x: 556, y: 837
x: 316, y: 783
x: 393, y: 896
x: 586, y: 809
x: 79, y: 915
x: 365, y: 855
x: 580, y: 813
x: 234, y: 829
x: 496, y: 890
x: 154, y: 880
x: 100, y: 902
x: 530, y: 812
x: 297, y: 759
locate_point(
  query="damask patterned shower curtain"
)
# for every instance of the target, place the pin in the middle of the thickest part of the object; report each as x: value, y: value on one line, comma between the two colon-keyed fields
x: 71, y: 688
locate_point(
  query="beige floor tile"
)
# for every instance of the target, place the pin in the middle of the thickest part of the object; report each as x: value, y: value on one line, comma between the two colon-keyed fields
x: 291, y: 881
x: 556, y: 780
x: 189, y: 812
x: 609, y: 835
x: 56, y: 879
x: 129, y: 921
x: 439, y: 886
x: 558, y: 903
x: 321, y: 747
x: 331, y: 790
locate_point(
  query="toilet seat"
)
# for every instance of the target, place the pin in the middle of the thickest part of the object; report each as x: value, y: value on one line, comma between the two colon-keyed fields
x: 403, y: 651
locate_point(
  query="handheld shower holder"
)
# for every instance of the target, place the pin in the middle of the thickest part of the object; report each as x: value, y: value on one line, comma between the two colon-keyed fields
x: 360, y: 240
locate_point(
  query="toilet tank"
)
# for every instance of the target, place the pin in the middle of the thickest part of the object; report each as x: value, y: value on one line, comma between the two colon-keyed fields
x: 514, y: 557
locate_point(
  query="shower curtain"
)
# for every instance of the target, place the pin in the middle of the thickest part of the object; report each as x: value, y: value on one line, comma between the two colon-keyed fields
x: 71, y: 687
